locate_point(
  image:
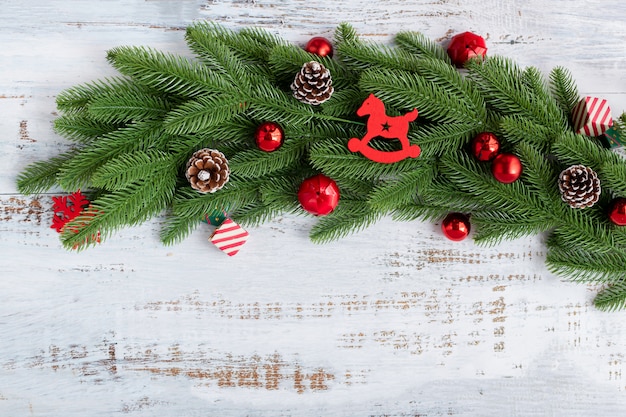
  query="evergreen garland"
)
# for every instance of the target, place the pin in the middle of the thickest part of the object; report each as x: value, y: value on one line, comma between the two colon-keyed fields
x: 133, y: 135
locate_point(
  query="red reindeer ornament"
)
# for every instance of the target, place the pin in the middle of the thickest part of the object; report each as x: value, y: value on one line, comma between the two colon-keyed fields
x: 387, y: 127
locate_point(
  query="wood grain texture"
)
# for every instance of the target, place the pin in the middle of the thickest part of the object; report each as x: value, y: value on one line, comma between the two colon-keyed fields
x: 394, y: 321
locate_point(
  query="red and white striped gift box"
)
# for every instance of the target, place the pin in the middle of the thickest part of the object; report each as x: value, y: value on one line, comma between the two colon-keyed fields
x: 591, y: 116
x: 229, y: 237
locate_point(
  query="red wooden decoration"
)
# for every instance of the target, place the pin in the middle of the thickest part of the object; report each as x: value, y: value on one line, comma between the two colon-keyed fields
x: 67, y: 208
x: 387, y: 127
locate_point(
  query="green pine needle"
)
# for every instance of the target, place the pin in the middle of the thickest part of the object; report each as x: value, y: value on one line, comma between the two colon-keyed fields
x: 612, y: 297
x: 347, y: 217
x: 166, y: 72
x: 564, y: 89
x: 418, y: 44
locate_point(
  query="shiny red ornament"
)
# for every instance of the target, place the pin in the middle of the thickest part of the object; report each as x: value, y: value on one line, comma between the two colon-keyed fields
x: 485, y: 146
x: 617, y: 211
x: 269, y: 136
x: 506, y: 168
x: 465, y: 46
x: 319, y: 195
x: 456, y: 226
x: 319, y: 46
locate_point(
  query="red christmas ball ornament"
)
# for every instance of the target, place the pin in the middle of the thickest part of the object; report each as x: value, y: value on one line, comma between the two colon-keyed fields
x: 269, y: 136
x: 456, y: 226
x: 465, y: 46
x: 506, y: 168
x: 319, y: 46
x: 319, y: 195
x: 617, y: 211
x: 485, y: 146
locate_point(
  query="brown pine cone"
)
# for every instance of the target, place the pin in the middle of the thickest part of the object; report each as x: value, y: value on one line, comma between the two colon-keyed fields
x: 207, y: 170
x: 313, y: 84
x: 580, y: 186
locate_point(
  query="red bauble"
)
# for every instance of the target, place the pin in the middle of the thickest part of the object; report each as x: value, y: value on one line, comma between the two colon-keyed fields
x: 617, y: 211
x: 319, y: 46
x: 506, y: 168
x: 456, y: 226
x: 319, y: 195
x: 485, y: 146
x: 269, y: 136
x: 465, y: 46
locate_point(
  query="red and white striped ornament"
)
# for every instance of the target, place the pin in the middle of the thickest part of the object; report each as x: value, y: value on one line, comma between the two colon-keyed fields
x: 592, y: 116
x: 229, y: 237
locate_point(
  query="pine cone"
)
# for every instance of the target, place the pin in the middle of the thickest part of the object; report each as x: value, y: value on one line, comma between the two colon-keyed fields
x: 207, y: 170
x: 580, y: 186
x: 313, y: 84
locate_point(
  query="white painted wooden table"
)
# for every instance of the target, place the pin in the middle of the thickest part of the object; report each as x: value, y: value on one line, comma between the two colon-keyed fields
x: 394, y: 321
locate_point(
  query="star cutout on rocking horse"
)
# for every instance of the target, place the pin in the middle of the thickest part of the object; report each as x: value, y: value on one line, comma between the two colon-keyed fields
x: 387, y: 127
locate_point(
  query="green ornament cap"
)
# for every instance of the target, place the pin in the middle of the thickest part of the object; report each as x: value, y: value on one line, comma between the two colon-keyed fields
x: 612, y: 139
x: 216, y: 218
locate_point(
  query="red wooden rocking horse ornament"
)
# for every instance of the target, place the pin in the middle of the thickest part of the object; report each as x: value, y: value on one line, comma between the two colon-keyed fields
x: 387, y: 127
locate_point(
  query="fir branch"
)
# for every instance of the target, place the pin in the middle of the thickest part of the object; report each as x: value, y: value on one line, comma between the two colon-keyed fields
x: 124, y: 207
x: 255, y: 214
x: 219, y: 57
x: 39, y: 177
x: 271, y: 103
x: 81, y: 128
x: 495, y: 226
x: 450, y: 80
x: 517, y: 129
x: 177, y: 228
x: 198, y: 115
x: 612, y: 297
x: 236, y: 194
x: 128, y: 168
x: 257, y: 42
x: 403, y: 189
x: 76, y: 98
x: 440, y: 139
x: 335, y: 160
x: 129, y: 107
x: 282, y: 192
x: 345, y: 33
x: 349, y: 216
x: 418, y: 211
x: 540, y: 174
x: 502, y: 84
x: 564, y: 89
x: 359, y: 56
x: 418, y: 44
x: 76, y: 172
x: 406, y: 90
x: 588, y: 228
x: 255, y: 163
x: 446, y: 197
x: 581, y: 265
x: 345, y: 102
x: 230, y: 136
x: 475, y: 179
x: 166, y: 72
